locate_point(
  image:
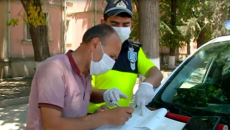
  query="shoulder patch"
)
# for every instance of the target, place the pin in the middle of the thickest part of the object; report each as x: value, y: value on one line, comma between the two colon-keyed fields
x: 137, y: 44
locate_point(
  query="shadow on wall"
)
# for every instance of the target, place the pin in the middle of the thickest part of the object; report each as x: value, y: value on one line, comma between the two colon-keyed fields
x: 17, y: 69
x: 55, y: 21
x: 90, y: 18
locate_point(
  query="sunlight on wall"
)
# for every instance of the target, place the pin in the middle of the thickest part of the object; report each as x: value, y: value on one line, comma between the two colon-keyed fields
x: 26, y: 72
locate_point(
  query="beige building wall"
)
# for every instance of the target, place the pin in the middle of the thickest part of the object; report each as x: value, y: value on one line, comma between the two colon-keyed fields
x: 16, y: 51
x: 3, y: 29
x: 80, y: 16
x: 4, y: 39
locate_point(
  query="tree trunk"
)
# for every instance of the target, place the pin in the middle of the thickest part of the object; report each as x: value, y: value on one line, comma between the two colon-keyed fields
x: 201, y: 38
x: 171, y: 63
x: 149, y: 28
x: 188, y: 48
x: 39, y: 35
x: 172, y: 57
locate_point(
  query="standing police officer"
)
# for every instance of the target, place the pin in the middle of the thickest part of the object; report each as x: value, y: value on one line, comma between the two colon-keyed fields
x: 131, y: 62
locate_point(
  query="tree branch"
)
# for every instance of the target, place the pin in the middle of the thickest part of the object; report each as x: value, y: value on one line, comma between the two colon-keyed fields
x: 25, y: 4
x: 137, y: 5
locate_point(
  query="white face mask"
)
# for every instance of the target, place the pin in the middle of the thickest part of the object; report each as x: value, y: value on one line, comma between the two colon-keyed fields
x: 123, y: 32
x: 105, y: 64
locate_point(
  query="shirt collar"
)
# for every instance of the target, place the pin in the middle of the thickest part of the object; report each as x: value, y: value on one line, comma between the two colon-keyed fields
x: 125, y: 44
x: 72, y: 62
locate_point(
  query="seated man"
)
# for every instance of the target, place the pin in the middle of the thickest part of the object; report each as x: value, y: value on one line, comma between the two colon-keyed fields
x: 61, y: 87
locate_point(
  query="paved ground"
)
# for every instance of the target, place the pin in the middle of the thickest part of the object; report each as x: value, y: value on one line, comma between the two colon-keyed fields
x: 13, y: 117
x: 14, y: 88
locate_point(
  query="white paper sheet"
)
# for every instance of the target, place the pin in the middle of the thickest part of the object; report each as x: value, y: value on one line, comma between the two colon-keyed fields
x: 152, y: 120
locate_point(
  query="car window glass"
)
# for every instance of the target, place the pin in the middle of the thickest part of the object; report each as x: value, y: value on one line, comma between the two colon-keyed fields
x: 203, y: 82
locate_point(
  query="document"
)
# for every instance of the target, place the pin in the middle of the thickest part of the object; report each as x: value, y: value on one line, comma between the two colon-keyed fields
x: 152, y: 120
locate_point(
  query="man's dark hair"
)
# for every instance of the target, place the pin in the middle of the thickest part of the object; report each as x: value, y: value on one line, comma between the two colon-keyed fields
x: 123, y: 14
x: 102, y: 31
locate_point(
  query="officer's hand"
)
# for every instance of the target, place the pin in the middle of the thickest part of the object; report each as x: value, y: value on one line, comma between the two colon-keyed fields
x: 112, y: 96
x: 118, y: 116
x: 101, y: 109
x: 144, y: 95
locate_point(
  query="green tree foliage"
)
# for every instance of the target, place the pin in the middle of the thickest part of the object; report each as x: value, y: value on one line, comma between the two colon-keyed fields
x: 200, y: 20
x: 13, y: 22
x: 135, y: 28
x: 35, y: 16
x: 203, y: 19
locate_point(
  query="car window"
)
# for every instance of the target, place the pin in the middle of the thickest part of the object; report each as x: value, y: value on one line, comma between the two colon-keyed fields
x: 226, y: 68
x: 202, y: 82
x: 196, y: 77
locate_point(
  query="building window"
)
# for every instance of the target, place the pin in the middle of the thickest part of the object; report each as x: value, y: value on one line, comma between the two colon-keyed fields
x: 68, y: 32
x: 28, y: 37
x: 27, y: 28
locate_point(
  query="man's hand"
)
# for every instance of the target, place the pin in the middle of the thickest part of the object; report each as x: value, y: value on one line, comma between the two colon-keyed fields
x: 144, y: 95
x: 118, y: 116
x: 52, y: 119
x: 101, y: 109
x: 112, y: 96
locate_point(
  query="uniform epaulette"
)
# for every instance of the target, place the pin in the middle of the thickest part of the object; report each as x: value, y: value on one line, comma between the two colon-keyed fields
x: 138, y: 44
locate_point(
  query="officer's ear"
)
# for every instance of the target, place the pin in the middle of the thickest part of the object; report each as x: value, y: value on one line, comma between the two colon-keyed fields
x: 131, y: 24
x: 102, y: 21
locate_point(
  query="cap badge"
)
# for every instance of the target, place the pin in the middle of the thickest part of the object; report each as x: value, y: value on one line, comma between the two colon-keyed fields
x: 121, y: 4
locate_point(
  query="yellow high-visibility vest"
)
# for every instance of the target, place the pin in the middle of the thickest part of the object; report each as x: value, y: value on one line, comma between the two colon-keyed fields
x: 131, y: 62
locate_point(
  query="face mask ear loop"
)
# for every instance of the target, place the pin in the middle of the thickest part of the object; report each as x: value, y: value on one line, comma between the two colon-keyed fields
x: 102, y: 48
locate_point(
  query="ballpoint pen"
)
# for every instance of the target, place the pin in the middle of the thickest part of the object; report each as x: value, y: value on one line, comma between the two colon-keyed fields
x: 114, y: 103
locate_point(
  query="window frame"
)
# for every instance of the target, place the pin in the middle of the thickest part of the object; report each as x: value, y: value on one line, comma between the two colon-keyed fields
x: 29, y: 41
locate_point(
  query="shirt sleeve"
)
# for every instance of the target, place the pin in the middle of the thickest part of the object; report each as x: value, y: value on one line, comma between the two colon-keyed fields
x: 143, y: 64
x: 50, y: 84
